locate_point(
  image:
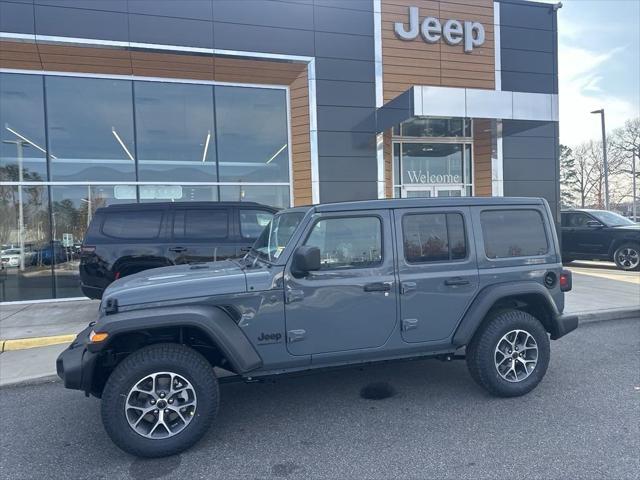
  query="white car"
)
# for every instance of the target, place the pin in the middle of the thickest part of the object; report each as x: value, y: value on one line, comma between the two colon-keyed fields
x: 11, y: 257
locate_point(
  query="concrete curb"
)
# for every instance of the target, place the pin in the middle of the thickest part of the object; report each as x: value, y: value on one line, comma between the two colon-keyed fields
x: 610, y: 314
x: 24, y: 343
x: 34, y: 380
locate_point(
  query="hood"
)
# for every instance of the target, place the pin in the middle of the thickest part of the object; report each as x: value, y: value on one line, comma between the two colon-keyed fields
x: 177, y: 283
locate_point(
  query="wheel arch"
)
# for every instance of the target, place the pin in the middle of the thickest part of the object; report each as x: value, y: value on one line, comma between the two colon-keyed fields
x: 530, y: 297
x: 209, y: 330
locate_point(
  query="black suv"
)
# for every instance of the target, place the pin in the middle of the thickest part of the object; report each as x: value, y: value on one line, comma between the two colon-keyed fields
x: 600, y: 235
x: 127, y: 239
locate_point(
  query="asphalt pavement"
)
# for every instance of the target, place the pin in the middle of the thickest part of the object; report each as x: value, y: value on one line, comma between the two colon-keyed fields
x: 581, y: 422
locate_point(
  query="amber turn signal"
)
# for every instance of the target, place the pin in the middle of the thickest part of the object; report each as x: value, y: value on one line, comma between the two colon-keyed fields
x: 97, y: 337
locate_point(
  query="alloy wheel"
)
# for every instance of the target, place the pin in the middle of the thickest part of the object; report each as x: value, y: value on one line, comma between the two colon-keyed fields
x: 628, y: 258
x: 160, y: 405
x: 516, y: 355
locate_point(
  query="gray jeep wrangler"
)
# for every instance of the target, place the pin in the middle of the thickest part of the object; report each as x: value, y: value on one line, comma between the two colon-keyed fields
x: 325, y: 286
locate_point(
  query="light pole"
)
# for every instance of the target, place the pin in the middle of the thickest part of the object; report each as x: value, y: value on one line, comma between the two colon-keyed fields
x: 634, y: 152
x: 605, y: 164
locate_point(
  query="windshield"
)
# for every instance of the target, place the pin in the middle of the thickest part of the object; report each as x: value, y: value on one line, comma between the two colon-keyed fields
x: 611, y: 219
x: 276, y: 235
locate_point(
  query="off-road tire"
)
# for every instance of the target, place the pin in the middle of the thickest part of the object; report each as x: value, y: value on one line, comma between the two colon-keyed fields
x: 481, y: 352
x: 170, y: 357
x: 629, y: 246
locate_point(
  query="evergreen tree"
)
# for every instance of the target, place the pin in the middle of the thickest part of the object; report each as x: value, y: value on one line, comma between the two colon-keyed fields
x: 569, y: 187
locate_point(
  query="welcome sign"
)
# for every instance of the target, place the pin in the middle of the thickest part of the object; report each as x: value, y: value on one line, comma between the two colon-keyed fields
x: 454, y: 32
x: 418, y: 176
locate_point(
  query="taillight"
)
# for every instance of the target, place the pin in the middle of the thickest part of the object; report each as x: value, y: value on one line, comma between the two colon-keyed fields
x: 566, y: 281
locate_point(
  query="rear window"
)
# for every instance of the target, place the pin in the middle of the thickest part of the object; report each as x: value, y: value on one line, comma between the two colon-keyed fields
x: 513, y: 233
x: 202, y: 224
x: 252, y: 222
x: 141, y: 225
x: 433, y: 237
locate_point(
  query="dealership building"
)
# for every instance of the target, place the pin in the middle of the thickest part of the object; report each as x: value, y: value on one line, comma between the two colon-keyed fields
x: 283, y: 102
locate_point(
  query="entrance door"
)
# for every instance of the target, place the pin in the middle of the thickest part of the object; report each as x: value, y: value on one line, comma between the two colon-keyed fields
x: 350, y: 303
x: 437, y: 270
x: 428, y: 191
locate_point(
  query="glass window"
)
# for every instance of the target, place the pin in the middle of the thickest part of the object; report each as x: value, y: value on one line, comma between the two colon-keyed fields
x: 434, y: 127
x: 252, y: 134
x: 26, y: 253
x: 175, y: 132
x: 201, y: 224
x: 133, y: 225
x: 73, y: 208
x: 579, y: 220
x: 432, y: 163
x: 611, y: 219
x: 347, y: 242
x: 273, y: 195
x: 513, y: 233
x: 90, y: 123
x: 22, y: 139
x: 273, y: 240
x: 433, y: 237
x: 397, y: 179
x: 253, y: 222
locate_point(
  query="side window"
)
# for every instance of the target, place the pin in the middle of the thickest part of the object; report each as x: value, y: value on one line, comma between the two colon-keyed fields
x: 142, y: 225
x: 352, y: 242
x: 201, y: 224
x: 433, y: 237
x: 252, y: 222
x: 579, y: 220
x: 513, y: 233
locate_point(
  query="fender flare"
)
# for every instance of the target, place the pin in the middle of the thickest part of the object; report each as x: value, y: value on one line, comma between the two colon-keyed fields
x: 487, y: 298
x: 213, y: 321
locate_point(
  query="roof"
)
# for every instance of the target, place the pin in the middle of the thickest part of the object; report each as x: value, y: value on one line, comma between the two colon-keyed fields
x: 151, y: 205
x: 427, y: 202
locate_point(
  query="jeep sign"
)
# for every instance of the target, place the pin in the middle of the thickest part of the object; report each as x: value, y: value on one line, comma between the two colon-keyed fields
x: 454, y: 32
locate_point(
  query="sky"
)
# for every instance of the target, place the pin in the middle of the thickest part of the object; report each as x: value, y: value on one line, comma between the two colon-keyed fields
x: 599, y: 66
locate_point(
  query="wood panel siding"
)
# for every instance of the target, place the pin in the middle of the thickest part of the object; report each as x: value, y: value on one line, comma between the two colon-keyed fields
x: 482, y: 148
x: 415, y: 62
x: 122, y: 61
x: 388, y: 165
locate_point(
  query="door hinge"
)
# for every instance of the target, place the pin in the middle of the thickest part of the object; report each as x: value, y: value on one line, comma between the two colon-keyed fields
x: 409, y: 324
x: 296, y: 335
x: 407, y: 287
x: 293, y: 295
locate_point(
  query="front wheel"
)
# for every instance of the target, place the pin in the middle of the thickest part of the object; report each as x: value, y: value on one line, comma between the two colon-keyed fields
x: 160, y: 400
x: 627, y: 257
x: 509, y: 354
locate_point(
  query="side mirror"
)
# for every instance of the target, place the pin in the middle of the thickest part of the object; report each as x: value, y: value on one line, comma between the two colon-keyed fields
x: 305, y: 259
x: 594, y: 224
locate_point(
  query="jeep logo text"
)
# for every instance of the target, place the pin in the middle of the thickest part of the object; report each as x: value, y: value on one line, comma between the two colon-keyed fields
x: 269, y: 337
x: 455, y: 32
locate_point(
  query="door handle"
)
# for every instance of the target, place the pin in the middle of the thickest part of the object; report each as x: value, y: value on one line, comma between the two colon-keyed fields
x: 378, y: 287
x: 177, y: 249
x: 455, y: 282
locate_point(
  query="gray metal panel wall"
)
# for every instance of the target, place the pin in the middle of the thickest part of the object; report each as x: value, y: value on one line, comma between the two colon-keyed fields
x: 338, y: 33
x: 528, y: 47
x: 531, y: 160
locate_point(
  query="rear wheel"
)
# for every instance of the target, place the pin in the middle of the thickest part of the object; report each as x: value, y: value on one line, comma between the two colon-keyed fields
x: 160, y: 400
x: 627, y: 257
x: 509, y: 354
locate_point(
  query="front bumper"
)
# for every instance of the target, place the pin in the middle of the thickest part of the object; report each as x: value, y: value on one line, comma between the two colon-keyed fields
x: 76, y: 364
x: 564, y: 324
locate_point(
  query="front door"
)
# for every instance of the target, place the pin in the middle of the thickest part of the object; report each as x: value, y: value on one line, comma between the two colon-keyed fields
x: 583, y: 239
x: 350, y: 303
x: 437, y: 269
x: 428, y: 191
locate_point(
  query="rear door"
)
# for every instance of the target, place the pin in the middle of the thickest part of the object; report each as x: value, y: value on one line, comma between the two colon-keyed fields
x: 437, y: 269
x: 202, y: 234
